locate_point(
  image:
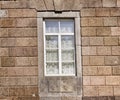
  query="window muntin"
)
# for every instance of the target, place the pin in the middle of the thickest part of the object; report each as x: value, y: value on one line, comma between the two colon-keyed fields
x: 59, y: 48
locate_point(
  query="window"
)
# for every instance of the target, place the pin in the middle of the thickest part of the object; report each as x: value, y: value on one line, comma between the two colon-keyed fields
x: 59, y: 47
x: 59, y: 44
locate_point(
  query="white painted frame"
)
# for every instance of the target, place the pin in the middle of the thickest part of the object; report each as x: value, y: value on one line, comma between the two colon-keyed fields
x: 59, y: 34
x: 44, y: 15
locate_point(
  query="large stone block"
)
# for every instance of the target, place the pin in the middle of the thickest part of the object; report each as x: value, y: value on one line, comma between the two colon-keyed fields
x: 104, y: 70
x: 96, y: 60
x: 8, y: 22
x: 103, y: 31
x: 22, y: 32
x: 89, y: 70
x: 97, y: 80
x: 85, y: 60
x: 104, y: 50
x: 7, y: 42
x: 88, y: 12
x: 3, y: 72
x: 116, y: 90
x: 3, y: 32
x: 26, y: 42
x: 96, y: 41
x: 115, y: 31
x: 86, y: 80
x: 102, y: 12
x: 116, y: 70
x: 111, y: 41
x: 29, y: 91
x: 4, y: 52
x: 22, y: 13
x: 115, y: 11
x: 116, y: 50
x: 89, y: 51
x: 3, y: 13
x: 26, y: 61
x: 85, y: 41
x: 105, y: 90
x: 109, y: 3
x: 67, y: 85
x: 26, y: 22
x: 23, y: 52
x: 110, y: 21
x: 88, y: 31
x: 90, y: 91
x: 7, y: 61
x: 112, y: 80
x: 112, y: 60
x: 4, y: 91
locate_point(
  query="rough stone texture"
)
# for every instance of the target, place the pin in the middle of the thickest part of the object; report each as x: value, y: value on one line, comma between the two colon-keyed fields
x: 100, y: 31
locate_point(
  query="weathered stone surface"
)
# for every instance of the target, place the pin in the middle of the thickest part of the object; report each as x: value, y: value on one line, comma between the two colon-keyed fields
x: 96, y: 41
x: 8, y: 22
x: 85, y: 41
x: 89, y: 50
x: 94, y: 3
x: 110, y: 21
x: 20, y: 32
x: 22, y: 13
x: 58, y: 4
x: 26, y: 61
x: 54, y: 85
x: 86, y: 60
x: 105, y: 90
x: 3, y: 13
x: 112, y: 60
x: 115, y: 11
x: 88, y: 31
x: 86, y: 80
x: 96, y: 60
x: 29, y: 91
x: 111, y: 41
x: 104, y: 50
x: 115, y: 31
x: 4, y: 52
x: 88, y: 12
x: 7, y: 42
x: 26, y: 22
x: 3, y: 32
x: 116, y: 50
x: 102, y: 12
x: 116, y: 70
x: 109, y: 3
x: 26, y: 41
x: 3, y: 72
x: 38, y: 4
x: 112, y: 80
x: 118, y: 3
x: 90, y: 91
x: 4, y: 91
x: 97, y: 80
x: 67, y: 85
x: 68, y: 98
x: 103, y: 31
x: 7, y: 61
x: 50, y: 98
x: 90, y: 70
x: 104, y: 70
x: 49, y: 4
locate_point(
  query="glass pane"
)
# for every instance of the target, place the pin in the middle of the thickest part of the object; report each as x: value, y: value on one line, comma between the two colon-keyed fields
x: 67, y: 41
x: 51, y: 41
x: 52, y: 68
x: 52, y: 26
x: 51, y: 55
x: 67, y: 26
x: 68, y: 68
x: 67, y: 55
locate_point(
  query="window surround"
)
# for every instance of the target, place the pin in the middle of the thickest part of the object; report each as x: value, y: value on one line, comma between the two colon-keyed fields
x: 44, y: 15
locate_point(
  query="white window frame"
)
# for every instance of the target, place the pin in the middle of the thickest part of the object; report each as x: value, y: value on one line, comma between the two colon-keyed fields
x: 59, y: 34
x: 65, y: 15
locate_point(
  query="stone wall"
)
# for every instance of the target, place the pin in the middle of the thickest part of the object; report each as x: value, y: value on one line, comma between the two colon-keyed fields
x: 100, y: 21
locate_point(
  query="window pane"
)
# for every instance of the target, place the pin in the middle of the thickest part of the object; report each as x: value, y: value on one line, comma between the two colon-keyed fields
x: 67, y: 55
x: 68, y: 68
x: 52, y: 26
x: 67, y: 41
x: 52, y: 68
x: 51, y: 55
x: 67, y: 26
x: 51, y: 41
